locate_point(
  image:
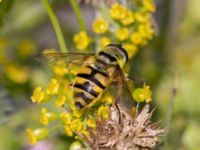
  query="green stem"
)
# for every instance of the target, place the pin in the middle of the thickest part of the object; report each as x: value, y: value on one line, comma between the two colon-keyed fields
x: 56, y: 25
x: 78, y: 14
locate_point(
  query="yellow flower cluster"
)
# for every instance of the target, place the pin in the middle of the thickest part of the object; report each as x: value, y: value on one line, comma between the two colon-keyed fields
x: 141, y: 29
x: 66, y: 115
x: 131, y: 28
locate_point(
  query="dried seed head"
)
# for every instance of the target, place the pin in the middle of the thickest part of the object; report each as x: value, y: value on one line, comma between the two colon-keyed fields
x: 122, y: 132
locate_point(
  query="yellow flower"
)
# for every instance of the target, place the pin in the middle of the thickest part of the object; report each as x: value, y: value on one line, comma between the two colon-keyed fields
x: 128, y: 18
x: 147, y: 94
x: 104, y: 41
x: 103, y: 112
x: 100, y: 26
x: 38, y: 134
x: 122, y: 34
x: 142, y: 29
x: 118, y: 11
x: 38, y: 95
x: 107, y: 98
x: 145, y: 31
x: 31, y: 136
x: 142, y: 94
x: 60, y: 70
x: 76, y: 113
x: 136, y: 38
x: 140, y: 17
x: 91, y: 123
x: 69, y: 93
x: 17, y: 73
x: 149, y: 5
x: 60, y: 101
x: 76, y: 125
x: 66, y: 118
x: 131, y: 49
x: 26, y: 48
x: 45, y: 116
x: 81, y: 40
x: 68, y: 130
x: 52, y: 87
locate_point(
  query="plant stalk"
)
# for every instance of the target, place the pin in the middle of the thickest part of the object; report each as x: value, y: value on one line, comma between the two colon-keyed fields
x: 56, y: 25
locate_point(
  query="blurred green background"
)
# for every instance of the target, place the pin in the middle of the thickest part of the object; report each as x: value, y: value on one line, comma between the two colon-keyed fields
x: 170, y: 64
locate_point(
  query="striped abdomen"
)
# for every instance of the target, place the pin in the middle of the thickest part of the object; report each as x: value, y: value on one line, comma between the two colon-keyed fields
x: 89, y: 83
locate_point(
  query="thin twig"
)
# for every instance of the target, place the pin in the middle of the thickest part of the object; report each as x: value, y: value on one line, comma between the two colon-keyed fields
x: 170, y: 108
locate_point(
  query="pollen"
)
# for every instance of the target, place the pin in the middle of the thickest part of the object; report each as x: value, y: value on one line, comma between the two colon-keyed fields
x: 122, y: 34
x: 82, y: 40
x: 38, y: 95
x: 100, y: 26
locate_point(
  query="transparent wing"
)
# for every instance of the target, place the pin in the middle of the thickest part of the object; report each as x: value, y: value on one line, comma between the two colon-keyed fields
x: 61, y: 59
x: 120, y: 90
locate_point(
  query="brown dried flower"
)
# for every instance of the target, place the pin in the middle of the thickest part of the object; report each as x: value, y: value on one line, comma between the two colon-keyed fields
x: 122, y: 132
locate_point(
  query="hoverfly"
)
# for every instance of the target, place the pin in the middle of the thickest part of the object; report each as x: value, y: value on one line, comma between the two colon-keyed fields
x: 97, y: 73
